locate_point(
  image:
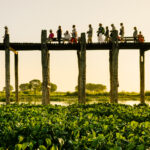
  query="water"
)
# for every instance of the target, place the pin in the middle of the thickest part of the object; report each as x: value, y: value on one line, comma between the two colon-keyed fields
x: 127, y: 102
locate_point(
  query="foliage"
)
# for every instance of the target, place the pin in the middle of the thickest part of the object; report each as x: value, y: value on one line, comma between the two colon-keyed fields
x: 94, y: 87
x: 24, y: 87
x: 81, y: 127
x: 11, y: 88
x: 35, y: 85
x: 53, y: 87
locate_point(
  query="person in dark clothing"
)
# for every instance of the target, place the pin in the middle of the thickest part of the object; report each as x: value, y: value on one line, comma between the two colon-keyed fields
x: 107, y: 35
x: 59, y: 34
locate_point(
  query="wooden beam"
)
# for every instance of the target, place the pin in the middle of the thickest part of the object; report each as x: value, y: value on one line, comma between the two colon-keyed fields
x: 142, y: 76
x: 113, y: 64
x: 82, y: 70
x: 13, y: 50
x: 16, y: 77
x: 45, y: 69
x: 7, y: 68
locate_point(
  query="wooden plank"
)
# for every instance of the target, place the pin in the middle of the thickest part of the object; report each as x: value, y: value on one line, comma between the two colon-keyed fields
x: 94, y: 46
x: 16, y: 77
x: 45, y: 69
x: 82, y: 70
x: 142, y: 76
x: 7, y: 68
x: 13, y: 50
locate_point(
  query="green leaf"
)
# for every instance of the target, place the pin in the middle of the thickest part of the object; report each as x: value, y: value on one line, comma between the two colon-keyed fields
x: 48, y: 142
x: 42, y: 147
x: 24, y: 145
x: 20, y: 138
x: 54, y: 147
x: 140, y: 147
x: 18, y: 146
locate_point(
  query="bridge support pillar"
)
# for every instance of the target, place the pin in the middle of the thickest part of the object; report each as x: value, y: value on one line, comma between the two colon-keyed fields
x: 113, y: 68
x: 142, y: 76
x: 16, y: 77
x: 82, y: 70
x: 7, y: 68
x: 45, y: 69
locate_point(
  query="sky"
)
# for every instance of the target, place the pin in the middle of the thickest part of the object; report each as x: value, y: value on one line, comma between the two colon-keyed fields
x: 26, y: 18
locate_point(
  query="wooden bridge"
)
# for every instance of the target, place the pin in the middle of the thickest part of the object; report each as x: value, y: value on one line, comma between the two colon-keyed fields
x: 81, y: 49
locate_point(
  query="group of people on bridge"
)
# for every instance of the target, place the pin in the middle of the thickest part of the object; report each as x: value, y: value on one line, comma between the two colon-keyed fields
x: 104, y: 35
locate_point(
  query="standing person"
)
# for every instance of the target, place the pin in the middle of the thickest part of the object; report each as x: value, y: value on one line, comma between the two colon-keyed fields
x: 51, y: 36
x: 67, y: 36
x: 107, y: 35
x: 135, y: 34
x: 90, y: 33
x: 100, y: 33
x: 121, y: 32
x: 59, y: 34
x: 6, y: 32
x: 74, y: 34
x: 113, y: 34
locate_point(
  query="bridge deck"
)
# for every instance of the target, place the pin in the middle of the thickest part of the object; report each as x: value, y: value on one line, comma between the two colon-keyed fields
x: 93, y: 46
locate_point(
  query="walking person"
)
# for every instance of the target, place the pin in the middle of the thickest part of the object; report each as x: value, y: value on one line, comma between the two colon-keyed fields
x: 121, y: 32
x: 100, y: 33
x: 74, y: 34
x: 107, y: 35
x: 59, y: 34
x: 135, y: 35
x: 90, y: 33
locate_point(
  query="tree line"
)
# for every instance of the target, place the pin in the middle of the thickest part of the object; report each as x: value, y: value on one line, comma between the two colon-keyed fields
x: 35, y: 86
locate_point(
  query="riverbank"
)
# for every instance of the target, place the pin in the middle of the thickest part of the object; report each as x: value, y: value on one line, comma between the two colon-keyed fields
x: 72, y: 97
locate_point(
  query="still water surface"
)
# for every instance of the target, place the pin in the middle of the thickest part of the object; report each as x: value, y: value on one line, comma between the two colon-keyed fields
x: 128, y: 102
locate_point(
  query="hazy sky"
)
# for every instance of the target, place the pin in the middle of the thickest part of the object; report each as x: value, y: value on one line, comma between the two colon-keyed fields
x: 26, y: 18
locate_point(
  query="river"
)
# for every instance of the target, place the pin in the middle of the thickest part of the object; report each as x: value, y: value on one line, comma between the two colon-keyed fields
x: 63, y: 103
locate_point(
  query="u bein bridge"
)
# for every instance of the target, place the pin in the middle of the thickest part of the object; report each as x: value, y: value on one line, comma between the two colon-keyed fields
x: 81, y: 48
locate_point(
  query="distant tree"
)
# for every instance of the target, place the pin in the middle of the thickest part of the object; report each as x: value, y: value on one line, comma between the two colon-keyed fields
x: 35, y: 85
x: 24, y: 87
x: 53, y: 87
x: 94, y: 87
x: 11, y: 88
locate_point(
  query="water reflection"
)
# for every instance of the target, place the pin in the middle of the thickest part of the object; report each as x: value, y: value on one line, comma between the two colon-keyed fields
x: 64, y: 103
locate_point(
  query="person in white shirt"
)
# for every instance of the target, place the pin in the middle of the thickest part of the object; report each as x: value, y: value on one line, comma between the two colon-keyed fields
x: 67, y: 36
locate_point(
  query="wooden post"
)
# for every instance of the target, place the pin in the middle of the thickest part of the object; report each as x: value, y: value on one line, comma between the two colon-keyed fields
x: 45, y: 69
x: 142, y: 76
x: 82, y: 70
x: 110, y: 70
x: 113, y: 64
x: 7, y: 68
x: 16, y: 77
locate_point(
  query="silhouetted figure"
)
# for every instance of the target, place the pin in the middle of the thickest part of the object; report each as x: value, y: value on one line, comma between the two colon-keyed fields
x: 59, y: 34
x: 74, y: 34
x: 6, y: 31
x: 113, y: 34
x: 135, y: 34
x: 107, y: 34
x: 90, y: 33
x: 121, y: 33
x: 100, y: 33
x: 140, y: 37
